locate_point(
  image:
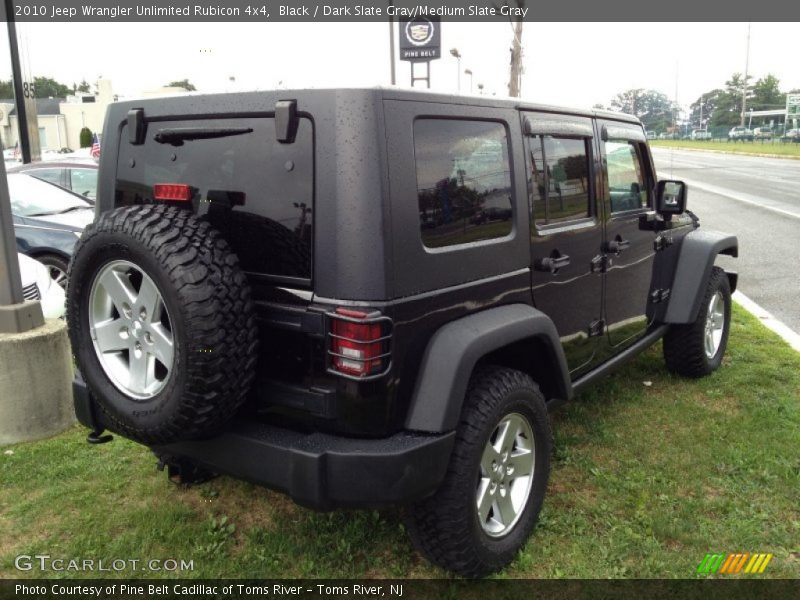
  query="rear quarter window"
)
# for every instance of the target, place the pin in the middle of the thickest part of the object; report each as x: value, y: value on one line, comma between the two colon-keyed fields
x: 271, y: 184
x: 463, y: 181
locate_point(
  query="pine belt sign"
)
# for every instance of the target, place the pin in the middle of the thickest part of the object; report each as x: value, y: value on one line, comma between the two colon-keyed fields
x: 793, y: 105
x: 420, y: 39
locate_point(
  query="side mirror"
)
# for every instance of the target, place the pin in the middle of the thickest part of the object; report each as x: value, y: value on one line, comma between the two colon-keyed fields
x: 670, y: 197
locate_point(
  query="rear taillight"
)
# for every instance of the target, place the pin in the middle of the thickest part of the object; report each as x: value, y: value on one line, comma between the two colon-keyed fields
x: 179, y: 192
x: 359, y: 343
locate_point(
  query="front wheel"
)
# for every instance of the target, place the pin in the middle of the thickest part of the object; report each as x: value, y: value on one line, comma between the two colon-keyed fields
x: 696, y: 349
x: 490, y: 499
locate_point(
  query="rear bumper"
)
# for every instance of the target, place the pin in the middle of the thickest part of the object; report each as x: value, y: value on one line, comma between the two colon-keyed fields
x: 317, y: 470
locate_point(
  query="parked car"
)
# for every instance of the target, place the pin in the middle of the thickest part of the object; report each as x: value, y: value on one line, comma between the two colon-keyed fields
x: 493, y: 213
x: 77, y: 176
x: 791, y: 135
x: 48, y: 220
x: 701, y: 134
x: 762, y: 133
x: 38, y: 285
x: 740, y: 134
x: 404, y: 364
x: 651, y: 135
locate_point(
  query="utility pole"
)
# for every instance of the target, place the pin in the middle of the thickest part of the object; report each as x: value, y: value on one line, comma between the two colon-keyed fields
x: 746, y: 69
x: 701, y: 111
x: 515, y: 74
x: 469, y: 72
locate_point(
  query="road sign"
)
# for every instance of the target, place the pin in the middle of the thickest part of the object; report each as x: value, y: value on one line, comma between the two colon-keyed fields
x: 420, y: 39
x: 793, y: 105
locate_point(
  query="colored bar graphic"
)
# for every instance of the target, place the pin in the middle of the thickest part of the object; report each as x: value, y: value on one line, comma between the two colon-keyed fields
x: 731, y: 564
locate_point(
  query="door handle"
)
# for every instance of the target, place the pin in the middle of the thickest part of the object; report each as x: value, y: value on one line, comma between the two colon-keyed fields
x: 551, y: 264
x: 617, y: 245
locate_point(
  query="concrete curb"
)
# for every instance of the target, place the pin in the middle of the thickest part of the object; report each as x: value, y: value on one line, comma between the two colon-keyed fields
x: 725, y: 152
x: 770, y: 322
x: 35, y: 383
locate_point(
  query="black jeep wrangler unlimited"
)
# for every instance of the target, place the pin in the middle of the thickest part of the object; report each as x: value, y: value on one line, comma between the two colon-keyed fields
x: 373, y: 297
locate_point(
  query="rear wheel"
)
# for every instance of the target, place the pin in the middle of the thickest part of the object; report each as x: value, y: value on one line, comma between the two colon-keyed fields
x: 696, y: 349
x: 490, y: 499
x: 162, y: 324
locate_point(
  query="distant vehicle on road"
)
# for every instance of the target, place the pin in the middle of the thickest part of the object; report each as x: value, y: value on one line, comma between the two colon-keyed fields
x: 79, y: 176
x: 701, y: 134
x: 493, y: 213
x: 740, y: 133
x: 762, y: 133
x: 48, y: 220
x: 651, y: 135
x: 38, y: 285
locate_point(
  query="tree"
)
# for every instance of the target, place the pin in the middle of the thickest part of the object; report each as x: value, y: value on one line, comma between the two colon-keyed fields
x: 654, y: 108
x: 86, y: 137
x: 82, y: 87
x: 45, y: 87
x: 183, y: 83
x: 710, y: 101
x: 728, y: 111
x: 767, y: 94
x: 6, y: 89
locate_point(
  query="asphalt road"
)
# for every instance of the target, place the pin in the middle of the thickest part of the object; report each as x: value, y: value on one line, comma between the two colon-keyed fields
x: 758, y: 199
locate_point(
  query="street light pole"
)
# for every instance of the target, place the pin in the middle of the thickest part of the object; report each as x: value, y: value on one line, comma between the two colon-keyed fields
x: 746, y: 69
x: 469, y: 72
x: 391, y: 44
x: 457, y: 55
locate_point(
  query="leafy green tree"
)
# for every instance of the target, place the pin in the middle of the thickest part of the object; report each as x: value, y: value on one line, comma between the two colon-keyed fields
x: 45, y: 87
x: 183, y: 83
x: 728, y: 111
x: 709, y: 102
x: 85, y: 137
x: 83, y: 87
x: 6, y: 89
x: 767, y: 94
x: 654, y: 108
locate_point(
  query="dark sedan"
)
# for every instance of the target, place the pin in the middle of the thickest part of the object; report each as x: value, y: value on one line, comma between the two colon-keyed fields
x: 48, y: 220
x: 76, y: 176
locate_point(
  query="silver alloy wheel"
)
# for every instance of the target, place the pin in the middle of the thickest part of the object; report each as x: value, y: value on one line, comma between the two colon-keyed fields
x: 715, y: 323
x: 57, y: 275
x: 131, y: 330
x: 506, y: 475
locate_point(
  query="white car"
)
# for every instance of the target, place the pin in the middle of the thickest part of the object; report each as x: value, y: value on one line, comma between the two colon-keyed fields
x: 38, y: 285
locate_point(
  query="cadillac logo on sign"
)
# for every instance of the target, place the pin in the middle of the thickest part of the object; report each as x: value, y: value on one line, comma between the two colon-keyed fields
x: 420, y: 39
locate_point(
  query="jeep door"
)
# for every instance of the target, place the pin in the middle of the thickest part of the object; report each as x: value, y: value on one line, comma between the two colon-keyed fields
x: 566, y: 231
x: 628, y: 184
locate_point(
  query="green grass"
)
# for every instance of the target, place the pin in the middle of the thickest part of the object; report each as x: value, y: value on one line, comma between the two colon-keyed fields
x: 645, y: 481
x: 772, y: 148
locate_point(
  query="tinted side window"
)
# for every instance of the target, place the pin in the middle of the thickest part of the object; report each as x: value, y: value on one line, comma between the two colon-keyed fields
x: 84, y: 182
x: 269, y: 185
x: 463, y: 181
x: 560, y: 186
x: 626, y: 182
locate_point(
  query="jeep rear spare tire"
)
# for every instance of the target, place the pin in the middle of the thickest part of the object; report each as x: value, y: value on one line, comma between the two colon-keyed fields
x: 161, y: 323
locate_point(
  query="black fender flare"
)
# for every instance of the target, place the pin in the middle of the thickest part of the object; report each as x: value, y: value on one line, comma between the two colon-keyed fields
x: 455, y: 349
x: 699, y: 249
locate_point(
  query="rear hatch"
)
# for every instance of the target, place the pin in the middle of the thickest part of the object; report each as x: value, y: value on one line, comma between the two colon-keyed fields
x: 259, y: 192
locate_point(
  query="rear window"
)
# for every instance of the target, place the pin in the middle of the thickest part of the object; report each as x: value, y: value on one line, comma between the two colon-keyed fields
x: 269, y: 183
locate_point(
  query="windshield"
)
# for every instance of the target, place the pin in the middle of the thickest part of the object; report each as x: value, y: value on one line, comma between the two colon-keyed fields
x: 31, y: 197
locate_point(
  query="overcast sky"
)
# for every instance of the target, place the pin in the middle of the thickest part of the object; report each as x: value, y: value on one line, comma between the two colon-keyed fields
x: 573, y: 64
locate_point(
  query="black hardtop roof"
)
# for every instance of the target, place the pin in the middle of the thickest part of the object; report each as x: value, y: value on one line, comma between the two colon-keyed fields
x: 199, y: 103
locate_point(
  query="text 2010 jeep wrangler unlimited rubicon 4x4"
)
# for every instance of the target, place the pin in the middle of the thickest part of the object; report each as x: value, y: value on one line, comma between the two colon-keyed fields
x: 373, y: 297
